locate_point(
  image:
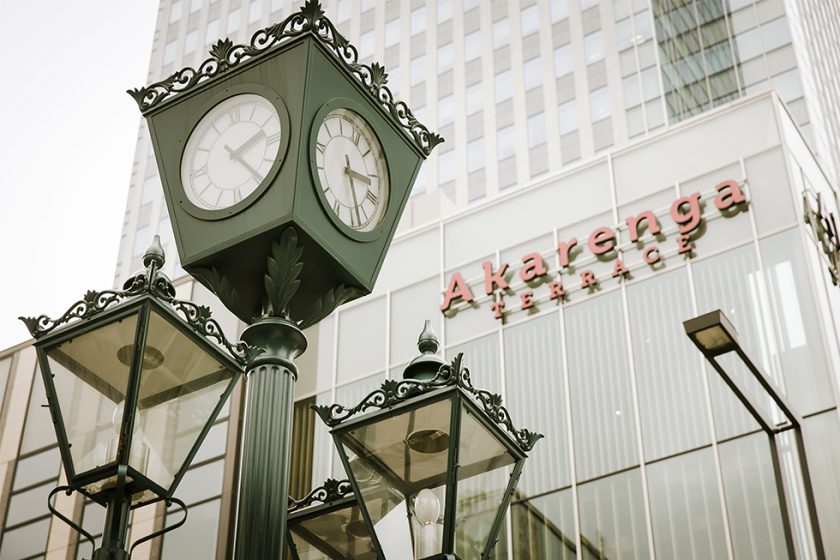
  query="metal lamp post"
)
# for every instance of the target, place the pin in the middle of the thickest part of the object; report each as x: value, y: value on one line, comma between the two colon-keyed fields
x: 715, y: 337
x: 328, y: 523
x: 434, y: 461
x: 134, y: 380
x: 286, y: 163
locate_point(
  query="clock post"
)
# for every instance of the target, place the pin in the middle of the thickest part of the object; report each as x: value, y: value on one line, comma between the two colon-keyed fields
x: 286, y: 165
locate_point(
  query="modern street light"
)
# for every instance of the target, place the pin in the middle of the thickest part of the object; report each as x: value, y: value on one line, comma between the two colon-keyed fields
x: 434, y: 463
x: 328, y: 523
x: 134, y: 380
x: 715, y: 337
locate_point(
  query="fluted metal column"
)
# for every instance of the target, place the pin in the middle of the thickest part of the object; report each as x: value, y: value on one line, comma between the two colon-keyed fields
x: 267, y: 447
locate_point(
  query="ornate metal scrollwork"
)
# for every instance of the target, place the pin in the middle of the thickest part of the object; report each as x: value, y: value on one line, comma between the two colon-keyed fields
x: 225, y: 55
x: 331, y: 491
x: 393, y: 392
x: 151, y: 281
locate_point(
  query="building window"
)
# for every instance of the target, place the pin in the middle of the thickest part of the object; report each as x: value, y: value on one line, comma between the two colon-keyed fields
x: 501, y: 33
x: 368, y: 5
x: 593, y: 47
x: 559, y: 10
x: 475, y: 155
x: 532, y: 73
x: 254, y: 11
x: 504, y: 86
x: 195, y: 5
x: 418, y: 20
x: 175, y: 12
x: 169, y: 52
x: 392, y: 33
x: 446, y: 166
x: 470, y: 4
x: 418, y: 70
x: 212, y: 33
x: 446, y: 110
x: 233, y: 22
x: 343, y: 10
x: 444, y: 10
x: 445, y: 58
x: 366, y: 45
x: 190, y: 42
x: 567, y: 116
x: 529, y: 20
x: 506, y: 142
x: 472, y: 46
x: 563, y: 62
x: 475, y: 98
x: 599, y: 104
x: 536, y: 130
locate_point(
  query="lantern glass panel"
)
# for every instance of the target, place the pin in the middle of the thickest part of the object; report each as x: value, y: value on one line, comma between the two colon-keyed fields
x: 400, y: 465
x: 90, y: 384
x: 483, y: 477
x: 338, y: 534
x: 180, y: 387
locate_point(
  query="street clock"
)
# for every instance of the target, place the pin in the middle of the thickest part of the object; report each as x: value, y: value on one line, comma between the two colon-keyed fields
x: 286, y: 165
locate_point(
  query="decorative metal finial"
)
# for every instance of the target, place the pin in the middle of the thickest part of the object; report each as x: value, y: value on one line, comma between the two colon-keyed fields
x: 428, y: 342
x: 154, y: 254
x: 425, y: 366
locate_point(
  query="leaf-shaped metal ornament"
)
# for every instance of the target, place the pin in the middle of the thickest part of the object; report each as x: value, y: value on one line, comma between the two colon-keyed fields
x: 327, y: 303
x: 226, y: 293
x: 281, y: 280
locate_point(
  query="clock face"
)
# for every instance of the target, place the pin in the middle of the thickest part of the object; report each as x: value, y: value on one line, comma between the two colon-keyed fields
x: 351, y: 170
x: 231, y: 151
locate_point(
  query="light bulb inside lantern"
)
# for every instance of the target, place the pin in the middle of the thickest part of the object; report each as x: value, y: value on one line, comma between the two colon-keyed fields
x: 427, y: 537
x: 139, y: 448
x: 426, y: 507
x: 117, y: 417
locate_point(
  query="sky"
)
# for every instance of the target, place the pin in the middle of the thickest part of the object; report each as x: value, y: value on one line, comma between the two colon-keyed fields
x: 67, y: 136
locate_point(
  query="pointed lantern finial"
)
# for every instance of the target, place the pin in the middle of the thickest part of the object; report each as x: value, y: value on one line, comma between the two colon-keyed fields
x: 425, y: 366
x: 154, y: 254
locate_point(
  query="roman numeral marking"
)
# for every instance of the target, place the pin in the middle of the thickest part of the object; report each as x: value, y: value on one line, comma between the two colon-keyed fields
x: 273, y: 138
x: 372, y: 197
x: 234, y: 115
x: 320, y: 147
x: 356, y: 136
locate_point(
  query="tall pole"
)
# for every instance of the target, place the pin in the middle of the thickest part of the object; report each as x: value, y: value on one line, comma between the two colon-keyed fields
x: 116, y: 523
x: 263, y: 499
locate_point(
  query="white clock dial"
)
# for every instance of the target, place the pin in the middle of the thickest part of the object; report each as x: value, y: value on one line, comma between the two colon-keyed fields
x: 351, y: 168
x: 230, y: 151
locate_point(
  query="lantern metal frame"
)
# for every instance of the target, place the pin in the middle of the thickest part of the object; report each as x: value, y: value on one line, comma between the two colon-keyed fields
x: 332, y: 496
x: 149, y: 291
x: 396, y: 397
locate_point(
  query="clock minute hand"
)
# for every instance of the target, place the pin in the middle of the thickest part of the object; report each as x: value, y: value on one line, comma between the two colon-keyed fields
x: 244, y: 146
x: 236, y: 157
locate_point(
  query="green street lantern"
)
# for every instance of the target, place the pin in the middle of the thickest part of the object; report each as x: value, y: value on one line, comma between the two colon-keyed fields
x: 434, y: 461
x: 134, y: 380
x: 328, y: 524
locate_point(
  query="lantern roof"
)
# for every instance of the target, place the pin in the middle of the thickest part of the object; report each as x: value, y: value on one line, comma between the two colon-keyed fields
x: 153, y: 283
x: 449, y: 377
x: 310, y: 20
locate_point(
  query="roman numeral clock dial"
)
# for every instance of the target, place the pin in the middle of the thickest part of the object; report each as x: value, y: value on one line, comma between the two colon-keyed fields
x: 351, y: 171
x: 231, y: 151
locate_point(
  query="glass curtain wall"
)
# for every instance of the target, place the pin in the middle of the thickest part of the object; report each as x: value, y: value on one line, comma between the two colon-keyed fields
x: 647, y: 452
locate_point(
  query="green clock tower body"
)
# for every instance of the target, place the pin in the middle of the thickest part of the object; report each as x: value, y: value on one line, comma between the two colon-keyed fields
x: 286, y: 166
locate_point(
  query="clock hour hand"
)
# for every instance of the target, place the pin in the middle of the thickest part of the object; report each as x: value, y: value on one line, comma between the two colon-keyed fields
x: 237, y: 158
x: 354, y: 174
x: 350, y: 174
